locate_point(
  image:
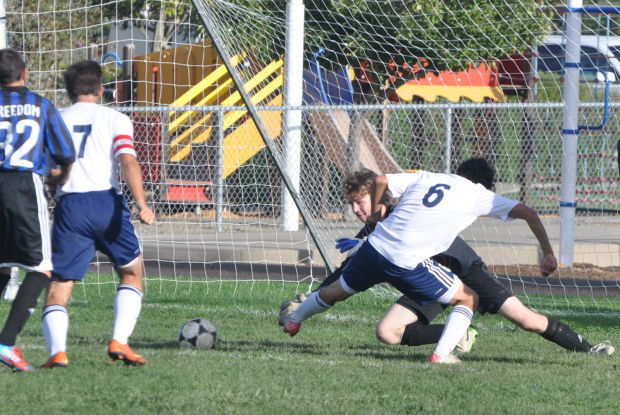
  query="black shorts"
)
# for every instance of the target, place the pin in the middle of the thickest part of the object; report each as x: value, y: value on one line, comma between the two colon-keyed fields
x: 426, y: 313
x: 491, y: 293
x: 24, y: 222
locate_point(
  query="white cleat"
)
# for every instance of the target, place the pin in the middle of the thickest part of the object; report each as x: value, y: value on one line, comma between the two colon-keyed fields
x: 467, y: 341
x: 603, y: 348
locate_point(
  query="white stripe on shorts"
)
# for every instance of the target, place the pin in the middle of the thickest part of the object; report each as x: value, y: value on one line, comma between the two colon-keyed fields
x: 439, y: 272
x: 44, y: 225
x: 452, y: 284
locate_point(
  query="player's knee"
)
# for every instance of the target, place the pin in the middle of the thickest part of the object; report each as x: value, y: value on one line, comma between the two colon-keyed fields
x: 131, y: 274
x: 386, y: 334
x: 59, y: 293
x: 467, y: 297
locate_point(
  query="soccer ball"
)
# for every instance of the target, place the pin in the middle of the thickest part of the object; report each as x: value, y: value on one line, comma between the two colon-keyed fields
x: 198, y: 333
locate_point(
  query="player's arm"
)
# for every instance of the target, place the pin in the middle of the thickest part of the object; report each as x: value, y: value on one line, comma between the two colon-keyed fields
x: 133, y: 177
x: 549, y: 263
x: 59, y: 176
x: 60, y: 147
x: 377, y: 196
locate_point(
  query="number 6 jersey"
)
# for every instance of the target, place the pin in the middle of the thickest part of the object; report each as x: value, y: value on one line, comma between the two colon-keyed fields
x: 100, y: 134
x: 434, y: 208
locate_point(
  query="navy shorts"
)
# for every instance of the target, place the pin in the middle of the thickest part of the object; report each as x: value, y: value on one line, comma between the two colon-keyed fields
x: 85, y: 222
x: 428, y: 282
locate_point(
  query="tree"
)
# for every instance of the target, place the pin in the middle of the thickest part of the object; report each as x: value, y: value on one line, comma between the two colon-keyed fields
x: 51, y: 38
x: 431, y: 35
x: 159, y: 21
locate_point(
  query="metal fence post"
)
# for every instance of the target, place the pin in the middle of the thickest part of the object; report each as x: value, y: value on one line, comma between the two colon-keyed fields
x: 219, y: 185
x: 448, y: 150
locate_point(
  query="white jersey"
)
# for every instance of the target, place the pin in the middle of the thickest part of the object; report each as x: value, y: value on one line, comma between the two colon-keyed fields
x: 433, y: 210
x: 100, y: 134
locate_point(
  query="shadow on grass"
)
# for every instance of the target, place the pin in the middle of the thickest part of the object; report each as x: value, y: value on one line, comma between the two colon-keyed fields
x: 404, y: 354
x: 271, y: 346
x: 267, y: 346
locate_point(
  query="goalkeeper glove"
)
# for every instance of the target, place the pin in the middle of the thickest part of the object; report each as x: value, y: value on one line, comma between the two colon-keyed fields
x: 348, y: 245
x: 289, y: 306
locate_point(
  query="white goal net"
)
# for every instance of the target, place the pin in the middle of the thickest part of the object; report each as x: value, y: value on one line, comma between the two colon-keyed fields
x: 235, y: 101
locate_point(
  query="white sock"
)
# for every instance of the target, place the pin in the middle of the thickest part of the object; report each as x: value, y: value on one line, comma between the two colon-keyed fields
x: 127, y: 306
x: 55, y: 327
x: 456, y: 325
x: 313, y: 305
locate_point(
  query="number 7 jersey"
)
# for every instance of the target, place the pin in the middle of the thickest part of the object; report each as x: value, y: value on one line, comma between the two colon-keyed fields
x: 100, y: 134
x: 434, y: 208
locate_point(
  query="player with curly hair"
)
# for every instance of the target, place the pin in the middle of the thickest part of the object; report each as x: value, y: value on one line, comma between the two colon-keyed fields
x: 407, y: 321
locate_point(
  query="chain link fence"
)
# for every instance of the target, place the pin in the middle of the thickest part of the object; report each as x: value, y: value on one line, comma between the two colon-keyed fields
x: 522, y: 141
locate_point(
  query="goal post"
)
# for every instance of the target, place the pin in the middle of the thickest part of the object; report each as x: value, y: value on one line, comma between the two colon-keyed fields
x: 291, y: 186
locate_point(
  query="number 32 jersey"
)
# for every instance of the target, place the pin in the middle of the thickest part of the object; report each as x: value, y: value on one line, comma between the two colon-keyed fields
x: 100, y: 134
x: 31, y: 128
x: 434, y: 208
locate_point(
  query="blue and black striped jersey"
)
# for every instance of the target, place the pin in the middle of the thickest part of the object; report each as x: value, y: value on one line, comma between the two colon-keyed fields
x: 30, y: 129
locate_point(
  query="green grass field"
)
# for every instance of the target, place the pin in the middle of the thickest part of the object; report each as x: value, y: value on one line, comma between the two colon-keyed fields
x: 334, y: 365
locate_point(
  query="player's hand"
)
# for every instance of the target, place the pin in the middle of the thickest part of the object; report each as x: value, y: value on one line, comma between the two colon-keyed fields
x: 289, y: 306
x: 146, y: 214
x: 57, y: 177
x: 348, y: 245
x: 548, y: 264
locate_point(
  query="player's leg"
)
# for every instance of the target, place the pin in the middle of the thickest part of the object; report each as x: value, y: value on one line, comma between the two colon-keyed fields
x: 407, y: 323
x: 288, y: 307
x: 317, y: 302
x: 27, y: 245
x: 127, y: 308
x: 22, y: 308
x: 430, y: 281
x: 5, y: 276
x: 359, y: 274
x: 128, y: 301
x: 391, y: 327
x: 123, y: 248
x: 557, y: 332
x: 458, y: 321
x: 73, y: 247
x: 494, y: 298
x: 23, y: 305
x: 554, y: 331
x: 55, y: 322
